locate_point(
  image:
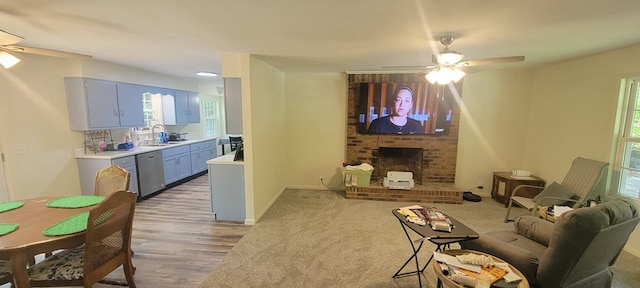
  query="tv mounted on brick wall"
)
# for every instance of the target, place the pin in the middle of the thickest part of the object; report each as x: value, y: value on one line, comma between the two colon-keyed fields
x: 404, y: 108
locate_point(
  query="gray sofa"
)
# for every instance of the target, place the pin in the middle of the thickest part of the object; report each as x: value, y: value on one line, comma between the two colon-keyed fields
x: 577, y: 251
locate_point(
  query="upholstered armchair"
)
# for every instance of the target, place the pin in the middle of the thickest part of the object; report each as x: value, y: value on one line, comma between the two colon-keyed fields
x: 577, y: 251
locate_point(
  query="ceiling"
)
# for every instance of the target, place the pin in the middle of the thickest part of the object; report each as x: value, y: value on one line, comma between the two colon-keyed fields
x: 181, y: 37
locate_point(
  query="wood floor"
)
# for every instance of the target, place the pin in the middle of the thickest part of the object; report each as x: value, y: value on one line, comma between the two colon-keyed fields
x: 176, y: 241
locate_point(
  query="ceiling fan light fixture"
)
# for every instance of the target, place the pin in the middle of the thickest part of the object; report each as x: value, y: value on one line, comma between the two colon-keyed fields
x: 7, y: 60
x: 449, y: 57
x: 444, y: 75
x: 432, y: 76
x: 457, y: 74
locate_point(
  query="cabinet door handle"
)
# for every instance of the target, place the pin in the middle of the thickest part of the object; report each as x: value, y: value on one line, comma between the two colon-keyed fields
x: 115, y: 112
x: 121, y: 112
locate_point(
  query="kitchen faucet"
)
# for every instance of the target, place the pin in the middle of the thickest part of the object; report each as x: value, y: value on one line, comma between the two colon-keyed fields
x: 153, y: 131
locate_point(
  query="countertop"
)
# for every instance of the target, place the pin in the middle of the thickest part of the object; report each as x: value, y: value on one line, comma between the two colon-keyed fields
x: 226, y: 159
x: 138, y: 150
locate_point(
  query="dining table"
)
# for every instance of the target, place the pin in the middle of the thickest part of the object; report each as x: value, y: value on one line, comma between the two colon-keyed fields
x: 33, y: 218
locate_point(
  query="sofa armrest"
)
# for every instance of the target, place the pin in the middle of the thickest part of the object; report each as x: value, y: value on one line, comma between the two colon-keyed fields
x: 534, y: 228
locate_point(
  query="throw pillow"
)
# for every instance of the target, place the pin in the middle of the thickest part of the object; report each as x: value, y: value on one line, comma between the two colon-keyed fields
x: 554, y: 190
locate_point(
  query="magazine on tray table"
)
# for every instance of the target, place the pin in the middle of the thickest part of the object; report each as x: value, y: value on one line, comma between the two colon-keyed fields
x: 431, y: 216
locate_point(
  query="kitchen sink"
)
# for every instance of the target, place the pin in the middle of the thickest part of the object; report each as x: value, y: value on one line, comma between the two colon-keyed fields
x: 161, y: 144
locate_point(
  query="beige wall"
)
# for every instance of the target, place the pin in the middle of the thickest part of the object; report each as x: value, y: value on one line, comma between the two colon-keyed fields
x: 266, y: 136
x: 36, y: 140
x: 315, y: 128
x: 573, y: 109
x: 493, y: 125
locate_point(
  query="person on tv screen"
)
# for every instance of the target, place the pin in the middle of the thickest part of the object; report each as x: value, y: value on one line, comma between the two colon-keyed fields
x: 398, y: 122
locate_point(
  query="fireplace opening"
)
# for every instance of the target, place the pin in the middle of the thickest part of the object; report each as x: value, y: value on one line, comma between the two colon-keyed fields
x: 398, y: 159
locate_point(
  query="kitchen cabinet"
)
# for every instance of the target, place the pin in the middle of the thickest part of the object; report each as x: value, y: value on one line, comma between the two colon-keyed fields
x: 176, y: 163
x: 200, y: 153
x: 88, y: 168
x: 226, y: 185
x: 233, y: 105
x: 99, y: 104
x: 183, y: 107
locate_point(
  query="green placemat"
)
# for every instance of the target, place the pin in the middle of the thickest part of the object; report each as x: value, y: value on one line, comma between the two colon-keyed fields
x: 74, y: 224
x: 6, y: 228
x: 75, y: 201
x: 6, y: 206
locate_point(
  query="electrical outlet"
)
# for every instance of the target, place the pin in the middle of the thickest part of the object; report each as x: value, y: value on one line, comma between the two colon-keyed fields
x: 321, y: 180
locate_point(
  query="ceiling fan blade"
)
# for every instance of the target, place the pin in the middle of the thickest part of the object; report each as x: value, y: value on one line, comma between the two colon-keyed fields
x: 46, y: 52
x: 7, y: 38
x: 405, y: 67
x: 489, y: 61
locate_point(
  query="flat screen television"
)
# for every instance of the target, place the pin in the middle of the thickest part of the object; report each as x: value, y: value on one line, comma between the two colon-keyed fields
x: 239, y: 153
x: 415, y: 108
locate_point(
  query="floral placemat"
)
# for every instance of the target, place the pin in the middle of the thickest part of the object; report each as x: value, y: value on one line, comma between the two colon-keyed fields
x: 75, y: 201
x: 6, y: 228
x: 74, y: 224
x: 6, y: 206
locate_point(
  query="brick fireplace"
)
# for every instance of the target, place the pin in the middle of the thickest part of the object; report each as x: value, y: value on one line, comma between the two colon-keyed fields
x: 398, y: 159
x: 431, y: 158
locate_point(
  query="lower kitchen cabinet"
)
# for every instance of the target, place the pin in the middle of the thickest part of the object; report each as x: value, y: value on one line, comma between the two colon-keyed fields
x: 200, y: 153
x: 226, y: 184
x: 88, y: 168
x: 177, y: 163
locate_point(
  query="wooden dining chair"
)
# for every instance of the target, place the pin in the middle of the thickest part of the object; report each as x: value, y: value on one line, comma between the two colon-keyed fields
x: 234, y: 142
x: 107, y: 247
x: 111, y: 179
x: 5, y: 273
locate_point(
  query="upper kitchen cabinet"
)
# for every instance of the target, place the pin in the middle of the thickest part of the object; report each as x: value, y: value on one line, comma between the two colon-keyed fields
x: 233, y: 105
x: 99, y: 104
x: 183, y: 107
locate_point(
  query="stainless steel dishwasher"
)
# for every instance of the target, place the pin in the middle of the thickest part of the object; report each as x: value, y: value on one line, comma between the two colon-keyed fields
x: 150, y: 172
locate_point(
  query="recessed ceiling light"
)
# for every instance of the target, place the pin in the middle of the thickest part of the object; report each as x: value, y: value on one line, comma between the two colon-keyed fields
x: 207, y: 74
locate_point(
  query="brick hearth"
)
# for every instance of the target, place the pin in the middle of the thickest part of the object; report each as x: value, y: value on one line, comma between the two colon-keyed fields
x: 431, y: 193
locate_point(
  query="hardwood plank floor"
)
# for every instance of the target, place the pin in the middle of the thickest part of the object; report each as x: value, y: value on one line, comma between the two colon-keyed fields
x: 176, y: 241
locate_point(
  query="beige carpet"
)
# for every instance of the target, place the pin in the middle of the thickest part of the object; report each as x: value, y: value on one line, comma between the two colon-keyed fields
x: 311, y: 238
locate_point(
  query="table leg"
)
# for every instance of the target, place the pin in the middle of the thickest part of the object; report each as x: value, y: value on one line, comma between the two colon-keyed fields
x: 414, y: 256
x: 19, y: 271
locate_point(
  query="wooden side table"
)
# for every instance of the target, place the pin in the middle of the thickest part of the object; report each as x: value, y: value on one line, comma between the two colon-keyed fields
x: 543, y: 214
x: 503, y: 185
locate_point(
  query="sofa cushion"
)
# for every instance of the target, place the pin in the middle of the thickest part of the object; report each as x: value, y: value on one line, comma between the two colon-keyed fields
x: 554, y: 190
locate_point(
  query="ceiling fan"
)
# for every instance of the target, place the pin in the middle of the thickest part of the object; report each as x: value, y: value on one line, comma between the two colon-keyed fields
x: 7, y: 41
x: 447, y: 63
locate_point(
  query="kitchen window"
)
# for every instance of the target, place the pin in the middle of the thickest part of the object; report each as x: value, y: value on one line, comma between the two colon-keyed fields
x: 211, y: 117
